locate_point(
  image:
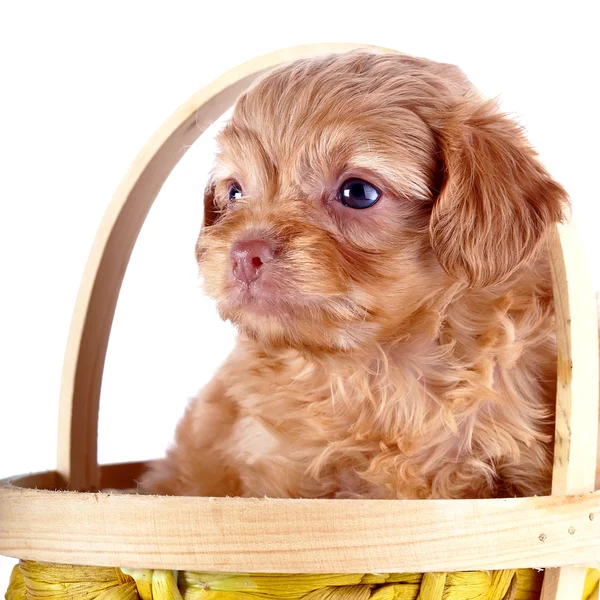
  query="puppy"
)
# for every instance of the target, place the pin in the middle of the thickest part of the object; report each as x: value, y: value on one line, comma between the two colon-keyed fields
x: 376, y: 231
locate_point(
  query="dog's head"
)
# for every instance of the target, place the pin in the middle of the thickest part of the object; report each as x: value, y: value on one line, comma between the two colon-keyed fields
x: 350, y: 190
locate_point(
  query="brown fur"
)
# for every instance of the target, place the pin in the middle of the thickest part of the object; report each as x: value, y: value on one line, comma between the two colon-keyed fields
x: 402, y: 351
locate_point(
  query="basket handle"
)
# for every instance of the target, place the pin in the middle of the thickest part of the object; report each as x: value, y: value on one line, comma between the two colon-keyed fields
x: 105, y: 269
x: 577, y: 388
x: 576, y: 317
x: 577, y: 333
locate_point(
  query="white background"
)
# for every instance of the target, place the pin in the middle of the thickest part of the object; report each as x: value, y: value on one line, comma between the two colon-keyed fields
x: 85, y: 84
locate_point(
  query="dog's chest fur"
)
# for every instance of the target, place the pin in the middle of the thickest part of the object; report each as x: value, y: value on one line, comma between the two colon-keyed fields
x: 463, y: 410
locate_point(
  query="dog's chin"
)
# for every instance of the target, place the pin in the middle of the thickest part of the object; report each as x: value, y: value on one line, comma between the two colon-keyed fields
x: 257, y: 301
x: 274, y: 322
x: 286, y: 320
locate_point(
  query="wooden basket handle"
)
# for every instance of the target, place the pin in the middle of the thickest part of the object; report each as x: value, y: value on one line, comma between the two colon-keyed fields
x: 105, y: 269
x: 577, y: 388
x: 577, y: 395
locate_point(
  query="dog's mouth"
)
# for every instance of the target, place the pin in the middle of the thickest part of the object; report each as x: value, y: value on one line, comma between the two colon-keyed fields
x: 260, y: 291
x: 261, y: 297
x: 277, y: 297
x: 296, y: 319
x: 287, y: 301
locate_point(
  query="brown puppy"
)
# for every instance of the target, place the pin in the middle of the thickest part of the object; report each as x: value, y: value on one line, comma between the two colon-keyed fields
x: 375, y: 229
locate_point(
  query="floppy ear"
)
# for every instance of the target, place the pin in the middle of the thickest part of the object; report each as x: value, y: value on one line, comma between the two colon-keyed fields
x: 496, y: 202
x: 211, y: 212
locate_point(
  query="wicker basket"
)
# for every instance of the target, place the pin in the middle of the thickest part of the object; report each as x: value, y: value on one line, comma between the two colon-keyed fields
x: 426, y: 550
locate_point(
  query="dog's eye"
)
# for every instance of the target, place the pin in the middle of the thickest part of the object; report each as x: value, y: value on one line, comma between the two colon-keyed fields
x: 357, y: 193
x: 235, y: 191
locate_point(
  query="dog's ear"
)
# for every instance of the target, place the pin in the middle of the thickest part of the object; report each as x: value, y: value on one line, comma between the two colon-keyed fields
x: 496, y: 201
x: 211, y: 211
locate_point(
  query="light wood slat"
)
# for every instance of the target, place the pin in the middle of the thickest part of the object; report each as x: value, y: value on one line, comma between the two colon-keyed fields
x: 578, y: 363
x: 299, y: 536
x: 117, y: 476
x: 46, y: 480
x: 577, y: 388
x: 105, y: 269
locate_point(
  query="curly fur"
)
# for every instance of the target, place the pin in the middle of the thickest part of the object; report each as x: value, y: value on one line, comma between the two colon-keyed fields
x: 402, y: 351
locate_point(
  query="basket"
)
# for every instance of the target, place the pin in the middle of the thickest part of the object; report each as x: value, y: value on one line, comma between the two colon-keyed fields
x: 132, y: 546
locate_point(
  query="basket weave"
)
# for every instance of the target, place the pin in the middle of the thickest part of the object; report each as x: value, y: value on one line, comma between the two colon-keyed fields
x: 35, y: 581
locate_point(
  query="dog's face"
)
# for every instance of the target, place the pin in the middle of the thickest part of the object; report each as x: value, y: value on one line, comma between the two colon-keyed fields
x: 351, y: 191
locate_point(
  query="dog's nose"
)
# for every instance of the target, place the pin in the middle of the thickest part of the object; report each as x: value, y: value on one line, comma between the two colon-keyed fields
x: 247, y: 259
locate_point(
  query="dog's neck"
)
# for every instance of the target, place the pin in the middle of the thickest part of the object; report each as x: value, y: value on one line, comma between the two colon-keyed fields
x: 429, y: 394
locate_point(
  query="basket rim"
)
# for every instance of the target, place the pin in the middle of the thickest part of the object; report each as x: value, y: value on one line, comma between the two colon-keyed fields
x: 263, y: 535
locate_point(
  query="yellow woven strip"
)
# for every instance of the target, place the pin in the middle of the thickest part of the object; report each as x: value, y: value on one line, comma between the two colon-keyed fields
x: 592, y: 585
x: 529, y: 584
x: 16, y: 585
x: 432, y: 586
x: 57, y: 573
x: 143, y: 581
x: 475, y: 584
x: 398, y: 578
x: 290, y: 587
x: 126, y: 591
x: 356, y: 592
x: 500, y: 584
x: 164, y: 586
x: 199, y: 594
x: 397, y: 591
x: 345, y: 592
x: 374, y: 578
x: 381, y: 578
x: 45, y: 581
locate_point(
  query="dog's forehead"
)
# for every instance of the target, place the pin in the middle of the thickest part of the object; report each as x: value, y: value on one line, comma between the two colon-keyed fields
x: 356, y: 109
x: 338, y: 84
x: 399, y: 149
